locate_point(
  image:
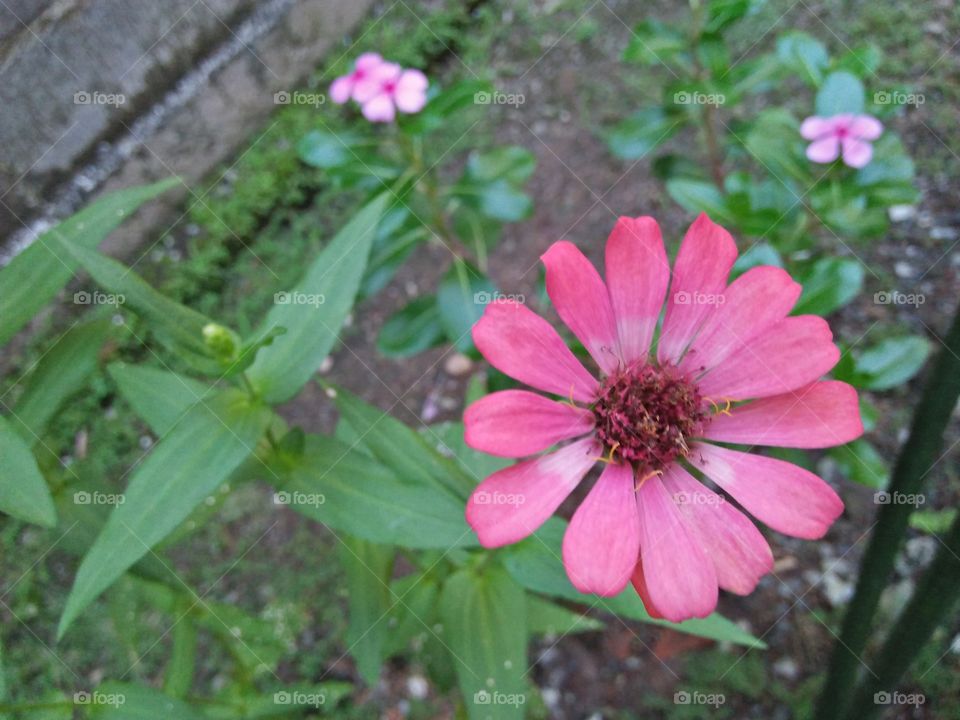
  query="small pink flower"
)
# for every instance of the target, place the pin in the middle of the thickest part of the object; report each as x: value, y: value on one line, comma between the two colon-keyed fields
x: 389, y: 88
x: 849, y: 134
x: 730, y: 367
x: 344, y: 88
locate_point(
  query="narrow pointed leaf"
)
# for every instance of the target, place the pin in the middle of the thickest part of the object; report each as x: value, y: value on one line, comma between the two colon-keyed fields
x: 159, y: 397
x: 23, y: 490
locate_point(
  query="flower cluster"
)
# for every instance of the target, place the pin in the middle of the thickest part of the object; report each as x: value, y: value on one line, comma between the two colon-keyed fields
x: 742, y: 372
x: 381, y: 88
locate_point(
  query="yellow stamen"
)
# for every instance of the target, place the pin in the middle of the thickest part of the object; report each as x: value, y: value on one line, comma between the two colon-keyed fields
x: 609, y: 459
x: 646, y: 477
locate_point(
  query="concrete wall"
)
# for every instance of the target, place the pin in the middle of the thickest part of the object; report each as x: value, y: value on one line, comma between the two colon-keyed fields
x: 100, y: 94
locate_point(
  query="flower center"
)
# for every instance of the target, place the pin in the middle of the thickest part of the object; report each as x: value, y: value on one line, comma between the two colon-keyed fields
x: 645, y: 415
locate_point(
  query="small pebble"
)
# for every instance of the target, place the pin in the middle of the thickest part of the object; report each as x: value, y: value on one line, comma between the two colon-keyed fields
x: 900, y: 213
x: 904, y: 269
x: 786, y: 668
x: 457, y: 365
x: 943, y: 233
x: 417, y: 687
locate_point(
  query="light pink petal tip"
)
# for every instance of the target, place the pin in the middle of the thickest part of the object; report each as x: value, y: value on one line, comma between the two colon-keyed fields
x: 785, y: 497
x: 340, y: 89
x: 517, y: 423
x: 520, y: 343
x: 581, y: 299
x: 866, y: 127
x: 825, y: 150
x: 513, y: 502
x: 819, y: 415
x: 739, y: 553
x: 602, y: 542
x: 410, y: 93
x: 856, y: 153
x: 379, y: 109
x: 680, y: 578
x: 637, y: 272
x: 699, y: 277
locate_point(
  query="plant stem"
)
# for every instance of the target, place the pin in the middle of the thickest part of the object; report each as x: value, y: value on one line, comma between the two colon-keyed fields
x: 935, y: 595
x: 918, y: 456
x: 713, y: 147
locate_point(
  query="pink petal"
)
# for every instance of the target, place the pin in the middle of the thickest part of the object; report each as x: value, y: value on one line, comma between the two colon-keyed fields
x: 793, y: 353
x: 637, y: 276
x: 699, y: 277
x: 788, y: 498
x: 513, y: 502
x: 379, y: 109
x: 815, y: 127
x: 410, y: 94
x: 819, y: 415
x: 523, y: 345
x: 739, y: 553
x: 752, y: 303
x: 582, y: 301
x: 602, y: 542
x: 856, y: 153
x: 824, y: 150
x: 517, y: 423
x: 680, y: 578
x: 866, y: 127
x: 640, y: 585
x: 340, y: 89
x: 368, y: 61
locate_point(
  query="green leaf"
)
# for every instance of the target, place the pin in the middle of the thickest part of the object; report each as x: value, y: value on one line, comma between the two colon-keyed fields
x: 774, y: 141
x: 323, y: 149
x: 841, y: 92
x: 128, y: 701
x: 23, y: 490
x: 348, y: 490
x: 333, y: 279
x: 463, y: 293
x: 447, y: 438
x: 159, y: 397
x: 412, y: 329
x: 369, y: 568
x: 828, y: 285
x: 756, y: 255
x: 413, y: 611
x: 177, y: 325
x: 290, y: 701
x: 804, y: 55
x: 34, y: 276
x: 723, y: 13
x: 498, y: 200
x: 444, y: 104
x: 512, y: 163
x: 641, y: 133
x: 536, y: 564
x: 485, y: 626
x: 861, y: 462
x: 933, y: 522
x: 60, y: 374
x: 891, y: 362
x: 654, y: 43
x: 400, y: 448
x: 698, y: 196
x: 547, y: 618
x: 211, y: 440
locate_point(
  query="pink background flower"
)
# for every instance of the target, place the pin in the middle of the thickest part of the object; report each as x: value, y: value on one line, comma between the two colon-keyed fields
x: 846, y: 135
x: 381, y: 88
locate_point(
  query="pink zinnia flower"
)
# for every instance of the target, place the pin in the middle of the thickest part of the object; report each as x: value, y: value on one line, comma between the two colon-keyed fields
x: 846, y: 134
x: 730, y: 367
x: 388, y: 88
x: 344, y: 88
